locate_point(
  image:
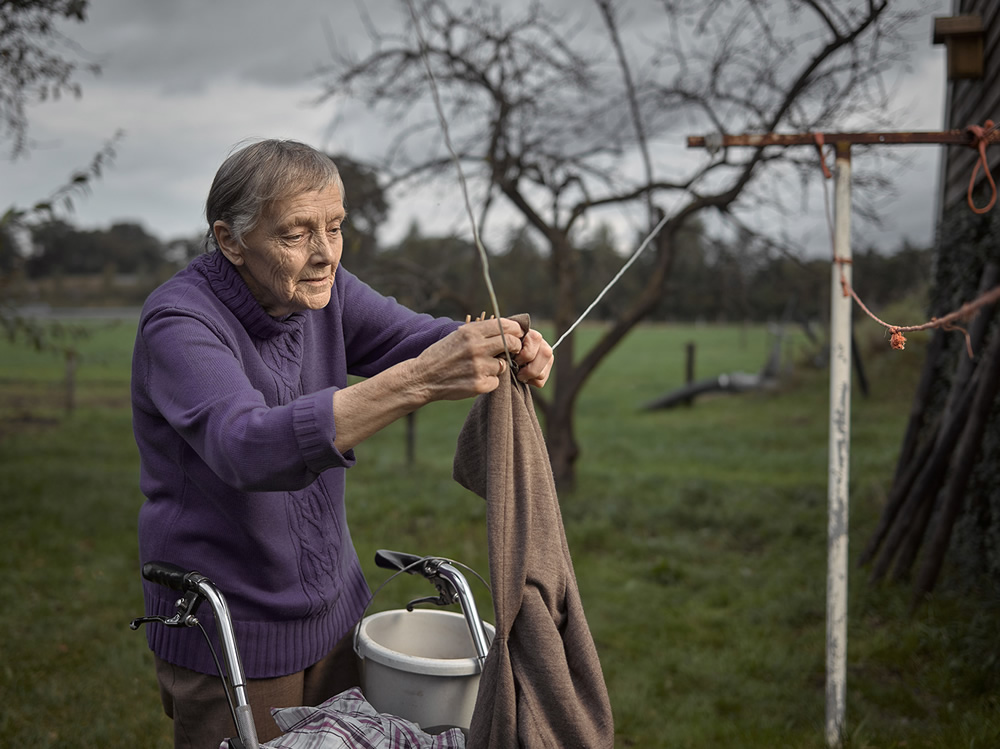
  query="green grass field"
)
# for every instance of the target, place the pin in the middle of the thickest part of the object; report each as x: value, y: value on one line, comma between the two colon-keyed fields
x: 698, y: 535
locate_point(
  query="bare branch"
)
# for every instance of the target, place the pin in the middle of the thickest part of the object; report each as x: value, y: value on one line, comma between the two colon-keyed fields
x: 558, y: 123
x: 37, y: 62
x: 607, y: 12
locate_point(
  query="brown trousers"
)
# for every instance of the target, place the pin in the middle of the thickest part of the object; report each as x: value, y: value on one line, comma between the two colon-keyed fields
x: 197, y: 702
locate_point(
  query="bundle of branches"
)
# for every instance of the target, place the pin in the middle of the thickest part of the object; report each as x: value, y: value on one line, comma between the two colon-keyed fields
x: 940, y: 451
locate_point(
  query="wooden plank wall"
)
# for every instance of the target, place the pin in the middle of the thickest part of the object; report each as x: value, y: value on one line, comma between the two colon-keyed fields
x: 972, y: 102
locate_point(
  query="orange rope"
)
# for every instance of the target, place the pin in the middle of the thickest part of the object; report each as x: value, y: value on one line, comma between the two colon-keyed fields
x: 897, y: 340
x: 980, y: 139
x: 818, y: 137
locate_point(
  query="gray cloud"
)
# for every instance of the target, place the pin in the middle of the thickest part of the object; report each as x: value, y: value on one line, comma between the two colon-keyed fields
x: 186, y: 79
x: 178, y: 46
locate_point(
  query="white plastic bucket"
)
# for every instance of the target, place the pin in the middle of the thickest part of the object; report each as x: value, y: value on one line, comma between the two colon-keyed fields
x: 420, y: 665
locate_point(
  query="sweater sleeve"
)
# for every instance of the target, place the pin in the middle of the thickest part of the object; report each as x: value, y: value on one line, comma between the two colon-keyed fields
x: 195, y: 379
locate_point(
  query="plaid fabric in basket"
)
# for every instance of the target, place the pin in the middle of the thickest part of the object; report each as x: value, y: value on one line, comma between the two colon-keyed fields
x: 349, y: 721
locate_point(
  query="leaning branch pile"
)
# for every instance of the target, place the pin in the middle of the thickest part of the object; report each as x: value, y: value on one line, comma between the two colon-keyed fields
x: 937, y: 458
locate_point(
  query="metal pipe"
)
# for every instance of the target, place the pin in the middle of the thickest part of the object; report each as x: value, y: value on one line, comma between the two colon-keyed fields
x: 839, y: 455
x: 468, y: 604
x: 224, y: 627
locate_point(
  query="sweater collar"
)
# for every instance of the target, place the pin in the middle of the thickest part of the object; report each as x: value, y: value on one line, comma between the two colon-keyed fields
x: 227, y: 284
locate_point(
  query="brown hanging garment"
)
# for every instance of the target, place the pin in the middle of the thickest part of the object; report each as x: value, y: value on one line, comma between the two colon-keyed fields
x: 542, y: 684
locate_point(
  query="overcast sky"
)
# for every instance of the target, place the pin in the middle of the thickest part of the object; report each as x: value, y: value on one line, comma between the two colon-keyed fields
x: 187, y: 79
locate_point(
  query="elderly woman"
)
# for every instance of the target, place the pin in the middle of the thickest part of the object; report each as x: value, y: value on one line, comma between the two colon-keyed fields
x: 246, y: 426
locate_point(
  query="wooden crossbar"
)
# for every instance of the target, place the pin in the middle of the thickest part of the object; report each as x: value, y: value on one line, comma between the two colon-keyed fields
x: 758, y: 140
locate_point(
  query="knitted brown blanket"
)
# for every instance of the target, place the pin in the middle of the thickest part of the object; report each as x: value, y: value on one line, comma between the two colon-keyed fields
x: 542, y: 684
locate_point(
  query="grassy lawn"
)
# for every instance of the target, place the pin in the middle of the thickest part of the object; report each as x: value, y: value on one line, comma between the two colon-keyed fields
x: 698, y: 534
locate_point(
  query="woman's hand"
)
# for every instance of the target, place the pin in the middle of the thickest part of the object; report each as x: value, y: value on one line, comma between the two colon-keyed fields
x: 469, y: 361
x: 466, y: 363
x: 534, y: 360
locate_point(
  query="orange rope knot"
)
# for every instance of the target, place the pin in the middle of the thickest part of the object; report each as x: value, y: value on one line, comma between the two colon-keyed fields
x: 981, y: 139
x: 897, y: 340
x: 844, y: 286
x: 818, y: 137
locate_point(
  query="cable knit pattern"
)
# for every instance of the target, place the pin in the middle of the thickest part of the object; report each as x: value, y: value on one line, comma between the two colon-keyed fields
x: 319, y: 537
x: 233, y: 416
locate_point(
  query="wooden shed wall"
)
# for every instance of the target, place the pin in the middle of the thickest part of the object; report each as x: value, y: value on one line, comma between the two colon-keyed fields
x: 972, y: 102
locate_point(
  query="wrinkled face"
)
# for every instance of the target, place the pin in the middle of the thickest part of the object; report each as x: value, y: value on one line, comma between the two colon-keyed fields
x: 289, y: 260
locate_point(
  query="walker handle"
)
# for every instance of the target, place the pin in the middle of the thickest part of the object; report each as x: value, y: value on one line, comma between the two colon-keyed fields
x: 398, y: 560
x: 451, y: 585
x: 170, y: 576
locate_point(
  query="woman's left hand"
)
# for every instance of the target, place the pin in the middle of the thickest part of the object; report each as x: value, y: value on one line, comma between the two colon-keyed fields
x: 534, y: 360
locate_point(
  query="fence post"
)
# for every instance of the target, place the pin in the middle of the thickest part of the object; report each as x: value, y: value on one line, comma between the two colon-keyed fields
x: 689, y: 351
x: 71, y: 362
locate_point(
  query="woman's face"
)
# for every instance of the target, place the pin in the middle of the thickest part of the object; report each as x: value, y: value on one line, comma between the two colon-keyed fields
x: 289, y: 260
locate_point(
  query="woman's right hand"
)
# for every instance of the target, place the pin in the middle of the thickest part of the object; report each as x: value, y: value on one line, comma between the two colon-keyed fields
x: 469, y: 361
x: 466, y: 363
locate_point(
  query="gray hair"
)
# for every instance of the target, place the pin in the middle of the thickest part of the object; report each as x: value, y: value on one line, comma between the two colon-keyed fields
x: 255, y: 176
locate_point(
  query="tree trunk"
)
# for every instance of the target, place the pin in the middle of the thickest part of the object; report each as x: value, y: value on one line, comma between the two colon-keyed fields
x: 560, y: 432
x: 560, y: 435
x: 563, y: 449
x: 571, y: 375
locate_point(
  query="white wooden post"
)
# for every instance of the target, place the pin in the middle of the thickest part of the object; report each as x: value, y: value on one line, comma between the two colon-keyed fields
x: 839, y: 457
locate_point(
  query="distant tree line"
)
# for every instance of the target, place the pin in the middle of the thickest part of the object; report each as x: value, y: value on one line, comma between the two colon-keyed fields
x: 442, y: 275
x: 710, y: 281
x: 57, y: 247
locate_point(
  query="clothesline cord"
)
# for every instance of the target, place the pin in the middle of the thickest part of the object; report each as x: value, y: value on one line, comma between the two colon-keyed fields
x: 613, y: 281
x: 483, y: 259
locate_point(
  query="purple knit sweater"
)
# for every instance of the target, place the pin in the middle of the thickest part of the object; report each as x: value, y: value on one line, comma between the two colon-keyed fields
x: 233, y: 416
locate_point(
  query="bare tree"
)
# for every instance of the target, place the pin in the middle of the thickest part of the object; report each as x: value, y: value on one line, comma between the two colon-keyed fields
x: 37, y: 62
x: 561, y: 119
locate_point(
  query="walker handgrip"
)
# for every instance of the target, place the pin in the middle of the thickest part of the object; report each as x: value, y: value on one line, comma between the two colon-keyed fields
x: 166, y: 574
x: 397, y: 560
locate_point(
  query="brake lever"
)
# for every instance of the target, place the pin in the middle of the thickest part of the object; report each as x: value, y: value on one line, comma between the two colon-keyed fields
x: 436, y: 600
x: 186, y: 608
